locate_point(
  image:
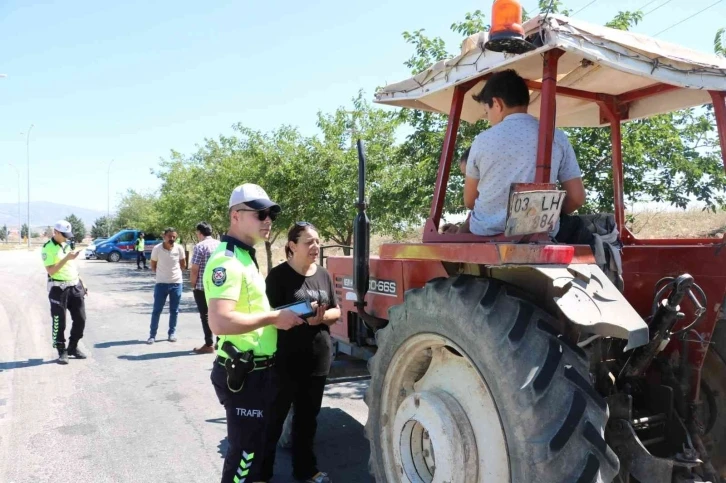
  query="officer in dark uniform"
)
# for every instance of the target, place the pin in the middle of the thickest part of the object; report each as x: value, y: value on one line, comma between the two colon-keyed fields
x: 65, y: 291
x: 240, y: 314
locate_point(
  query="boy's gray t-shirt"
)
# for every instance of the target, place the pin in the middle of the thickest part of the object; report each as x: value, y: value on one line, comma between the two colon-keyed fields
x: 506, y: 154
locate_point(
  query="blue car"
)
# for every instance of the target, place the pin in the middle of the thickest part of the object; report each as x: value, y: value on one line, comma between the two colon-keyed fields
x: 121, y: 246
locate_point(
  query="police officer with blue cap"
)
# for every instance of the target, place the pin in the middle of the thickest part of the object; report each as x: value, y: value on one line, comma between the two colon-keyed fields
x: 65, y: 291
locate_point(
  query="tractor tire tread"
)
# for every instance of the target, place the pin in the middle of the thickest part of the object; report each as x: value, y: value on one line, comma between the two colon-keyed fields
x: 557, y: 416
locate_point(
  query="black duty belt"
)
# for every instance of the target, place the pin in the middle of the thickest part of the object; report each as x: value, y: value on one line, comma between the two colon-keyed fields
x: 261, y: 362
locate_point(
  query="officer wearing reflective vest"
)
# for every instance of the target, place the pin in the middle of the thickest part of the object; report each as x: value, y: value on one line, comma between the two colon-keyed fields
x: 240, y: 314
x: 140, y: 255
x: 65, y: 291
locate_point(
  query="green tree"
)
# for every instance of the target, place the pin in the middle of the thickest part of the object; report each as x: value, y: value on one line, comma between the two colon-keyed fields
x: 719, y: 42
x: 670, y: 158
x: 330, y: 167
x: 24, y: 230
x: 103, y: 227
x: 140, y: 211
x: 4, y: 233
x: 79, y: 229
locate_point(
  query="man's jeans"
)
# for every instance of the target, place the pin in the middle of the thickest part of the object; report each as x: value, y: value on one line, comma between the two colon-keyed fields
x: 161, y: 291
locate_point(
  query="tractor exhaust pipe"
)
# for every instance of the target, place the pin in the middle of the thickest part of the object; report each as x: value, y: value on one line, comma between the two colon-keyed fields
x: 361, y: 248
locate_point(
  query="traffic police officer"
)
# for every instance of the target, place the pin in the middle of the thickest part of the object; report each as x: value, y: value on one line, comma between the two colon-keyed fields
x: 240, y: 314
x: 140, y: 255
x: 65, y: 291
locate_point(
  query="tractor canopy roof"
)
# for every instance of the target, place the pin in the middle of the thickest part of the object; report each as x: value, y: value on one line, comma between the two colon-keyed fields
x: 596, y: 60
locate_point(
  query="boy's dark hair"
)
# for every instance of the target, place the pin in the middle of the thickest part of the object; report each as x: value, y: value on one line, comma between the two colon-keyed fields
x: 169, y: 230
x: 204, y: 228
x: 506, y: 85
x: 465, y: 155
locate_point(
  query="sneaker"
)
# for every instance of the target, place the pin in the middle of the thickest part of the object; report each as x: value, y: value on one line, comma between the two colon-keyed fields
x: 150, y: 341
x: 172, y: 338
x: 62, y: 356
x: 205, y: 349
x: 77, y: 353
x: 320, y: 477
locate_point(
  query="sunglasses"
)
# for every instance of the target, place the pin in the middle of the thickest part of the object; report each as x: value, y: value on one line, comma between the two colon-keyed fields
x: 303, y: 223
x: 263, y: 214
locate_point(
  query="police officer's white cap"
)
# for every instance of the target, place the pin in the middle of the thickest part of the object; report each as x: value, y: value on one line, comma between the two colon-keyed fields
x: 253, y: 196
x: 64, y: 228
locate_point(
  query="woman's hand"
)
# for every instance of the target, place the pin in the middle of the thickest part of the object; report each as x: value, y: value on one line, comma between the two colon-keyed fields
x: 317, y: 319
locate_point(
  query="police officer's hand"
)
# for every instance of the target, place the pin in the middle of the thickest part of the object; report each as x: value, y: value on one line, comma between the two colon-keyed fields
x: 317, y: 319
x: 287, y: 319
x: 72, y: 255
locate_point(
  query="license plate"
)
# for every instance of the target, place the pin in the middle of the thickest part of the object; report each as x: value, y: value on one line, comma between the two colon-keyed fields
x: 533, y: 212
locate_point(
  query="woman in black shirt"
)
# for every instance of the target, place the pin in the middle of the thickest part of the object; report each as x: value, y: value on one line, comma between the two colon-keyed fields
x: 304, y: 352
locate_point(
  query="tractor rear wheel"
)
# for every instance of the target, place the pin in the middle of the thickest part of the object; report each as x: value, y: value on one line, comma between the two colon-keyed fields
x: 472, y: 384
x: 713, y: 390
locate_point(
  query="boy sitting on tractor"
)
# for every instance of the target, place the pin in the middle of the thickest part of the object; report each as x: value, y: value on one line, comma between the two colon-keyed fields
x: 507, y: 152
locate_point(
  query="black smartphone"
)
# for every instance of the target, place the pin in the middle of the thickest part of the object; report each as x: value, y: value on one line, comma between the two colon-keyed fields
x: 303, y: 308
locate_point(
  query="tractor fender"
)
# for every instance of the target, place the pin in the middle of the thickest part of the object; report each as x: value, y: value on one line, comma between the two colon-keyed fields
x: 584, y: 295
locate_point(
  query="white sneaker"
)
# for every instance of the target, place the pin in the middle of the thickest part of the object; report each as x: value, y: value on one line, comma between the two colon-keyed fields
x: 150, y: 341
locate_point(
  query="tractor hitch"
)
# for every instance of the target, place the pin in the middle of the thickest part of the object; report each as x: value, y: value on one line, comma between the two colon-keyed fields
x: 666, y: 316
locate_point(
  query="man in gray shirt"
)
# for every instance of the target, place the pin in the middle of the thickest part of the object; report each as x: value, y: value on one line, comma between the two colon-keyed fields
x: 507, y: 153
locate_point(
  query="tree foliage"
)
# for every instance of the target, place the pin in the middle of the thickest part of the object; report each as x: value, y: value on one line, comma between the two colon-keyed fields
x: 79, y: 229
x: 719, y: 42
x: 24, y: 230
x: 140, y: 211
x: 4, y: 233
x: 312, y: 178
x: 103, y: 227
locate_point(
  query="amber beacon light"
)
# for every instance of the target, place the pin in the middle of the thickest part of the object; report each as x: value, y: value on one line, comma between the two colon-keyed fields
x: 506, y: 34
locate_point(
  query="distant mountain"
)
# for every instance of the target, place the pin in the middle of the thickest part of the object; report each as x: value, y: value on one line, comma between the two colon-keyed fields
x: 44, y: 213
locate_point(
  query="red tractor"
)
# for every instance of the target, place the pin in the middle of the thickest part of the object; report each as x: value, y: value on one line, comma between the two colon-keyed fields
x: 515, y: 358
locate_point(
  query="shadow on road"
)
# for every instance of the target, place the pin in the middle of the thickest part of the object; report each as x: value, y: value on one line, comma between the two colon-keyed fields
x: 158, y: 355
x: 340, y: 446
x: 4, y: 366
x: 118, y: 343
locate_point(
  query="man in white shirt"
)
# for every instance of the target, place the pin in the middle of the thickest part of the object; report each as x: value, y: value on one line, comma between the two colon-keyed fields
x: 507, y: 153
x: 167, y: 262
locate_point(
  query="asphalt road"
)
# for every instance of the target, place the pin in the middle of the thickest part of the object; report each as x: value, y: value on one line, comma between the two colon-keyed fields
x: 130, y: 412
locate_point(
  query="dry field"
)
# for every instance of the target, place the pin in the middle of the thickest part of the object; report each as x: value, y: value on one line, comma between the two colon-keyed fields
x: 678, y: 224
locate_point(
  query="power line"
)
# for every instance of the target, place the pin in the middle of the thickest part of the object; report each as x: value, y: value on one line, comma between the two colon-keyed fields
x: 649, y: 3
x: 583, y: 8
x: 656, y: 8
x: 688, y: 18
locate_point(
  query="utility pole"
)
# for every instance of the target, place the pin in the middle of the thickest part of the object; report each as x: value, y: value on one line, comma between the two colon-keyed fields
x: 20, y: 221
x: 27, y: 154
x: 108, y: 201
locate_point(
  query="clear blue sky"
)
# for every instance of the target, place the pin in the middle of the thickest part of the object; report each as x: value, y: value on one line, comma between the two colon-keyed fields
x: 131, y: 80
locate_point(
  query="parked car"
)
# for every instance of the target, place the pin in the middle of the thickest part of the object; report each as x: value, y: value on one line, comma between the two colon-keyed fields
x: 121, y: 246
x: 90, y: 252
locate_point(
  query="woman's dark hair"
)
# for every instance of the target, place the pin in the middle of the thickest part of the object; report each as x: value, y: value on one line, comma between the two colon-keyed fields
x: 204, y: 228
x: 293, y: 235
x: 506, y: 85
